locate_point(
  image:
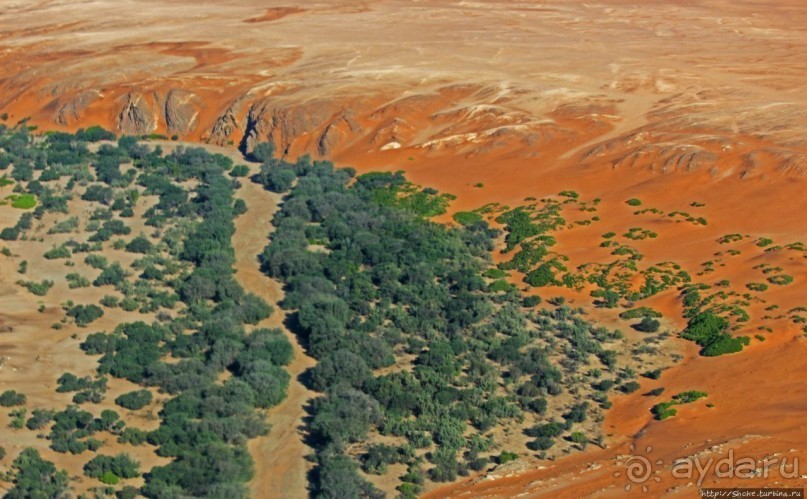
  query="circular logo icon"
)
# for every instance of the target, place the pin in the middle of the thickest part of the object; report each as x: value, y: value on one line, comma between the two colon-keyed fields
x: 639, y: 469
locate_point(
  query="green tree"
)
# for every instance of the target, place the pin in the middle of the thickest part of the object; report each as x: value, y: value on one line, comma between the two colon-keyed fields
x: 36, y: 478
x: 263, y: 152
x: 134, y: 400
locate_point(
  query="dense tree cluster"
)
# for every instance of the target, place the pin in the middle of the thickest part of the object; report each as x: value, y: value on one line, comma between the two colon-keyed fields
x: 36, y: 477
x: 391, y: 285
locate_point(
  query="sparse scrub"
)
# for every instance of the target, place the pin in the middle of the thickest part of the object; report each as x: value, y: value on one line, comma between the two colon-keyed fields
x: 467, y: 217
x: 40, y: 288
x: 780, y: 280
x: 640, y: 312
x: 57, y: 252
x: 75, y: 280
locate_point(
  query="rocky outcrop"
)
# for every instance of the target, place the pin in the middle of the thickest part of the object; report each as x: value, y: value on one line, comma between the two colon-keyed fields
x: 72, y: 111
x: 137, y: 117
x: 227, y: 124
x: 394, y: 130
x: 181, y: 111
x: 283, y: 126
x: 336, y: 132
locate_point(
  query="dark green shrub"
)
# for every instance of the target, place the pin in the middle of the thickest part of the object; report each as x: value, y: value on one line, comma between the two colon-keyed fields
x: 139, y: 244
x: 85, y: 314
x: 277, y: 179
x: 39, y: 418
x: 96, y: 261
x: 541, y: 444
x: 629, y: 387
x: 709, y: 331
x: 134, y: 400
x: 120, y: 466
x: 239, y: 207
x: 506, y: 457
x: 531, y: 301
x: 544, y: 275
x: 35, y: 477
x: 57, y: 252
x: 647, y: 325
x: 111, y: 275
x: 239, y: 171
x: 11, y: 398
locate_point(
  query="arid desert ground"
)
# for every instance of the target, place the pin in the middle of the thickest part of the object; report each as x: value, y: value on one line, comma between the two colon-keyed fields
x: 697, y: 109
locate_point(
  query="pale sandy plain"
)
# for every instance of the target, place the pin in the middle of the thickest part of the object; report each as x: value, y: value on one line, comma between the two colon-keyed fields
x: 668, y: 101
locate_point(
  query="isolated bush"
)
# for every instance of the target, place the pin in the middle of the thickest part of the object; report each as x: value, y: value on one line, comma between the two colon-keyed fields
x: 11, y: 398
x: 531, y: 301
x: 57, y: 252
x: 757, y: 286
x: 239, y: 207
x: 40, y: 288
x: 780, y: 280
x: 647, y: 325
x: 629, y: 387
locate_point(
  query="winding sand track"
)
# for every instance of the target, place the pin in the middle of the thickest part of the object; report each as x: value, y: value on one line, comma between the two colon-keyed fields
x: 280, y: 465
x: 280, y: 462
